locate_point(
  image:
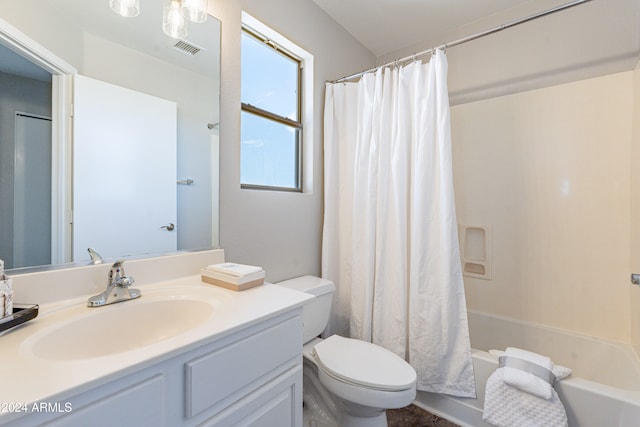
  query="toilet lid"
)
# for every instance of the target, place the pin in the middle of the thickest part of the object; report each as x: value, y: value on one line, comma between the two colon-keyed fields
x: 364, y: 364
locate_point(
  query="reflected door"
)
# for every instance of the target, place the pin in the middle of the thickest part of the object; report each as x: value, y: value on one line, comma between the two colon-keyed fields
x: 32, y: 191
x: 124, y: 183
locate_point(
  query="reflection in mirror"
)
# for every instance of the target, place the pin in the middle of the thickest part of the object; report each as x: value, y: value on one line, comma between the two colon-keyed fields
x: 134, y: 55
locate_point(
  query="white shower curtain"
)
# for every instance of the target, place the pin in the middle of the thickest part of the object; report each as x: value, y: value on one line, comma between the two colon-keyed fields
x: 390, y: 239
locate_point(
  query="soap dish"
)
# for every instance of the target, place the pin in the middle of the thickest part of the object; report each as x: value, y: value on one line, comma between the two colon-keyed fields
x: 21, y: 313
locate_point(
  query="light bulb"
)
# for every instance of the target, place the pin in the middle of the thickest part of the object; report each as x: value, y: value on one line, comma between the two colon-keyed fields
x: 174, y: 23
x: 126, y: 8
x: 197, y: 10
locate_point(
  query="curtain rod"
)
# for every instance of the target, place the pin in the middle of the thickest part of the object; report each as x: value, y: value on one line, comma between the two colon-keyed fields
x: 467, y: 39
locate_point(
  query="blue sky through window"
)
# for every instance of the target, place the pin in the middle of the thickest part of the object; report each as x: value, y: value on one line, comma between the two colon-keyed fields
x: 269, y: 153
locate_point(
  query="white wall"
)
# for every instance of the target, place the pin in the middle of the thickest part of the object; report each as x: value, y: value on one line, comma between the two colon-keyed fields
x: 593, y: 39
x: 278, y: 230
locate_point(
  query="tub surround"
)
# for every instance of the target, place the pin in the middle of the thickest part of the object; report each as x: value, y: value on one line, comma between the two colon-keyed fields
x: 550, y: 170
x: 37, y: 378
x: 635, y: 210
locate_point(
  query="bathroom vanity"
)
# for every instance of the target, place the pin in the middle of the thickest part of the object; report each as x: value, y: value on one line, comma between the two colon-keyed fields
x: 184, y: 353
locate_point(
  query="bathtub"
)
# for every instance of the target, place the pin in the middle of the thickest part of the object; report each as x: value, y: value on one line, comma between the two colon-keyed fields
x: 603, y: 390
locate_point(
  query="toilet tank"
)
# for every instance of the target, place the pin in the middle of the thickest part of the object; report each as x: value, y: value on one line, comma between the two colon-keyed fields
x: 315, y: 312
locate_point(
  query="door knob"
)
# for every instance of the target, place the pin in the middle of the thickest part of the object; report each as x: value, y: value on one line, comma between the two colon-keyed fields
x: 169, y: 226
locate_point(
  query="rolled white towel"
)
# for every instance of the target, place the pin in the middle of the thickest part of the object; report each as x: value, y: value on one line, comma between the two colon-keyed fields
x: 560, y: 372
x: 526, y: 381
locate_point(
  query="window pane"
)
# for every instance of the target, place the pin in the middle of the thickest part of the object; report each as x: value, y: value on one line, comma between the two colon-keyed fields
x: 269, y: 79
x: 268, y: 153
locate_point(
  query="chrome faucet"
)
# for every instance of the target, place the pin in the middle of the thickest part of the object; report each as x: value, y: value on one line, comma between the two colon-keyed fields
x: 96, y: 258
x: 118, y: 288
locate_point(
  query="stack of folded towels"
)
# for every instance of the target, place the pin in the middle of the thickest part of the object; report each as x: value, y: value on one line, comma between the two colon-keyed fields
x: 520, y: 392
x: 237, y: 277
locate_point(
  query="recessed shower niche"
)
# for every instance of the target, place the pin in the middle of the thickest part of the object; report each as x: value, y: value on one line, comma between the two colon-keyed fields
x: 475, y: 245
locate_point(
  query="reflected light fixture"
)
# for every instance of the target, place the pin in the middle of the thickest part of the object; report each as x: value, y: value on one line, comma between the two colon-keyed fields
x: 174, y: 22
x: 196, y: 9
x: 126, y: 8
x: 174, y: 17
x: 176, y: 13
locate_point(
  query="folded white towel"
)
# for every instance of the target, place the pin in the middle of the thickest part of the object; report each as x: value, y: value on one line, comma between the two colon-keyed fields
x: 527, y: 381
x: 506, y: 406
x: 233, y: 269
x: 560, y: 372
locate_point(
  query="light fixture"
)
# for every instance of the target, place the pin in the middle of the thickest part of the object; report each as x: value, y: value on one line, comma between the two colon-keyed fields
x: 174, y: 23
x: 126, y: 8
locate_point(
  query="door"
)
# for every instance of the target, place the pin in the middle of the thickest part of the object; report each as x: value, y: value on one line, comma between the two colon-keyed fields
x: 32, y: 191
x: 124, y: 176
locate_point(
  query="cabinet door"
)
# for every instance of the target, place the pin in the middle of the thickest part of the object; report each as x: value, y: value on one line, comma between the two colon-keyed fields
x: 135, y: 405
x: 278, y: 403
x: 212, y: 384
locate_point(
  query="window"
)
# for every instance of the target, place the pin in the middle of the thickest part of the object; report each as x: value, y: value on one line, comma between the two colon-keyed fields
x: 273, y: 113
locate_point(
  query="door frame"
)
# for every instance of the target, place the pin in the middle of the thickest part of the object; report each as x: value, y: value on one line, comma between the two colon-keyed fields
x: 61, y: 135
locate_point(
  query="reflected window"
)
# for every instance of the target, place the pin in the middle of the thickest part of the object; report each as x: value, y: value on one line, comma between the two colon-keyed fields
x: 272, y: 118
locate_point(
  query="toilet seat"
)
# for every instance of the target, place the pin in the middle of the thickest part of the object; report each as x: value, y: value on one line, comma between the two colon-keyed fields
x: 363, y: 364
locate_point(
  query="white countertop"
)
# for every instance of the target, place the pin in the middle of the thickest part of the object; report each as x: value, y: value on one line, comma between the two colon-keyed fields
x: 27, y: 378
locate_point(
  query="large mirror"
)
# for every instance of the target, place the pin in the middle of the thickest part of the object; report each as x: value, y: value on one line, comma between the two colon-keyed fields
x: 40, y: 204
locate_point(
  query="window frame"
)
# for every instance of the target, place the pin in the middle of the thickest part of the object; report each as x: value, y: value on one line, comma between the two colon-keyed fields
x: 298, y: 125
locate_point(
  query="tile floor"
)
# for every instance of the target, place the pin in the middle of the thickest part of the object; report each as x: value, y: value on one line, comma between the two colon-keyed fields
x: 412, y: 416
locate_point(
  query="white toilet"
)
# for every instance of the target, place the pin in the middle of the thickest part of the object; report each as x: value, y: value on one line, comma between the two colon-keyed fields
x: 347, y: 382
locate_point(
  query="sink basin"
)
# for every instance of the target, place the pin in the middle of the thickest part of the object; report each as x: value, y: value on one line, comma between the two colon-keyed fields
x: 119, y: 328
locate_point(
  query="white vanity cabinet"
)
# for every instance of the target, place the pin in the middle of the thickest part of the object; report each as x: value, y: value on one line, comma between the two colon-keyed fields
x: 251, y: 376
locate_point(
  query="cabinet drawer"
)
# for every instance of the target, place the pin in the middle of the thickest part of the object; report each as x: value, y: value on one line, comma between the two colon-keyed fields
x: 240, y: 367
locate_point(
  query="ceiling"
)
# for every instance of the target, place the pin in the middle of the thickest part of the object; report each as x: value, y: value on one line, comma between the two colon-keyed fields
x: 385, y: 26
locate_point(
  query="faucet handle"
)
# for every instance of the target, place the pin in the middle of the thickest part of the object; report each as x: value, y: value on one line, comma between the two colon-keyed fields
x: 118, y: 265
x: 125, y: 281
x: 116, y: 271
x: 118, y: 277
